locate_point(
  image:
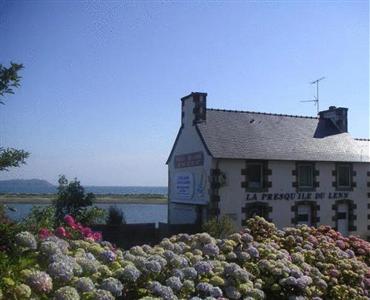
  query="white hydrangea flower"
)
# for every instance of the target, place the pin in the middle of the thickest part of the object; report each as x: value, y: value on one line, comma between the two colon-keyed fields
x: 66, y: 293
x: 26, y: 240
x: 102, y: 295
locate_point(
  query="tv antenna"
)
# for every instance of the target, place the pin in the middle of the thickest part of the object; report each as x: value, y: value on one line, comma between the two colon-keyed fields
x: 316, y: 98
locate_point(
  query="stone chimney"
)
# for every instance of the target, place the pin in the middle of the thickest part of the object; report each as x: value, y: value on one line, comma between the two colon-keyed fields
x: 193, y: 109
x: 337, y: 116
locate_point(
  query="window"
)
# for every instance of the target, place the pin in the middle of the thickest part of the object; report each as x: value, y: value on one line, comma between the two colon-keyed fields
x: 304, y: 214
x: 344, y: 176
x: 261, y: 209
x: 305, y: 175
x: 255, y: 175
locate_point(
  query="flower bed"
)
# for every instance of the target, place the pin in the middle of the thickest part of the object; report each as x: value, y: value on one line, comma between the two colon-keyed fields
x: 260, y: 262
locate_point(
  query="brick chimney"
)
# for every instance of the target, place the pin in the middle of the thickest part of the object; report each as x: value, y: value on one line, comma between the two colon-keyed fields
x: 193, y: 109
x: 337, y: 116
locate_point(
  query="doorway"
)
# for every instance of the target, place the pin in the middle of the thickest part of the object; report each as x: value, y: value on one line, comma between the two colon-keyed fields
x: 343, y: 218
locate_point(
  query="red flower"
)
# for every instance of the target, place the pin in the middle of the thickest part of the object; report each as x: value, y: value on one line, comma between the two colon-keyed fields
x: 79, y: 227
x: 87, y: 232
x: 70, y: 221
x: 60, y: 231
x: 44, y: 233
x: 97, y: 236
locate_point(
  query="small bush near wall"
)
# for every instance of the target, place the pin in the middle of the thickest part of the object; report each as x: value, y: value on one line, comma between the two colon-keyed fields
x: 219, y: 228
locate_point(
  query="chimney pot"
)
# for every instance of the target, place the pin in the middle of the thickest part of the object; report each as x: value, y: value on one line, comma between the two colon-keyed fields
x: 194, y: 108
x: 337, y: 116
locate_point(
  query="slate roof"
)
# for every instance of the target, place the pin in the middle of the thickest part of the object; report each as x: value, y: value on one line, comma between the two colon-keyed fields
x: 252, y: 135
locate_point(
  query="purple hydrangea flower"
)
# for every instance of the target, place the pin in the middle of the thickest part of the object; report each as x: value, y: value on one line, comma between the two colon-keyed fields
x: 253, y: 252
x: 60, y: 271
x: 203, y: 267
x: 84, y: 284
x: 108, y: 256
x: 174, y: 283
x: 152, y: 266
x: 130, y: 274
x: 216, y: 292
x: 40, y: 282
x: 113, y: 285
x: 211, y: 250
x: 190, y: 273
x: 204, y: 288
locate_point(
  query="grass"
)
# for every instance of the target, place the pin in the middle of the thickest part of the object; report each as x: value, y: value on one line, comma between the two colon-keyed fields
x: 100, y: 198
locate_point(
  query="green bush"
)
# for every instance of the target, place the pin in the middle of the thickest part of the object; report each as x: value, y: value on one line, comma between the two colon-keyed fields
x: 71, y: 198
x: 91, y: 215
x: 115, y: 216
x: 219, y: 228
x: 7, y: 230
x: 39, y: 217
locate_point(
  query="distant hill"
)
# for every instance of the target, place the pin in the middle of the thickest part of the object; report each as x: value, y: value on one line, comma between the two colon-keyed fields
x: 28, y: 186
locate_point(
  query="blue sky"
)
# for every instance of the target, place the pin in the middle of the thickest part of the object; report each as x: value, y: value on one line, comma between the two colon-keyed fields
x: 102, y: 81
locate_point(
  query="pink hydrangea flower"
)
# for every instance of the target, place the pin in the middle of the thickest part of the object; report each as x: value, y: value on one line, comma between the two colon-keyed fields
x: 340, y: 244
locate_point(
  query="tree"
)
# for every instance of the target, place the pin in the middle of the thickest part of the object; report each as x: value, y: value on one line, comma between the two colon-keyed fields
x: 10, y: 79
x: 10, y: 157
x: 71, y: 198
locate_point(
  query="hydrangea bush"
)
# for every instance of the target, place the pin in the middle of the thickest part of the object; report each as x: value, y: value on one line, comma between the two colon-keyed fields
x: 260, y: 262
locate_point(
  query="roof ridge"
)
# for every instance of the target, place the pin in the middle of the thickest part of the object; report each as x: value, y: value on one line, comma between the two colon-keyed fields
x: 261, y: 113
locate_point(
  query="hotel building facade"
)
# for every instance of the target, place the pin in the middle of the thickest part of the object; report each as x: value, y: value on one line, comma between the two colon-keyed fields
x: 288, y: 169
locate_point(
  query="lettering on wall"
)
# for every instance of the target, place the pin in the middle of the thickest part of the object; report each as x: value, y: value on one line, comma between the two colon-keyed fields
x: 296, y: 196
x: 190, y: 187
x: 189, y: 160
x: 184, y: 185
